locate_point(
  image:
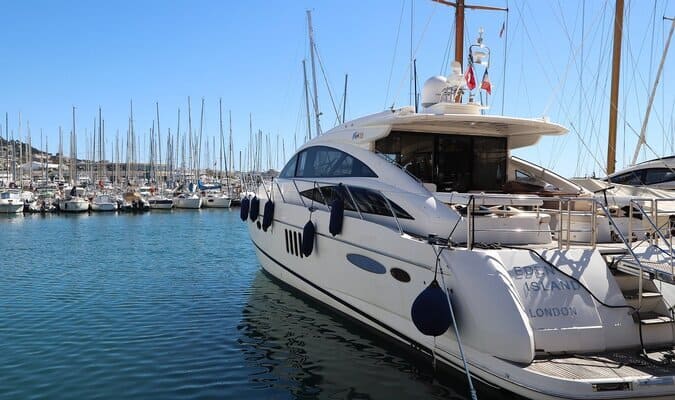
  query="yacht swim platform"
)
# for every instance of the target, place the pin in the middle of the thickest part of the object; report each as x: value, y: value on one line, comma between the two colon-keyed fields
x: 653, y: 368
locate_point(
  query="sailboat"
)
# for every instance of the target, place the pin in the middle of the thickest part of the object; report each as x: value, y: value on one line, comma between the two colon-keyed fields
x: 73, y: 201
x: 420, y: 225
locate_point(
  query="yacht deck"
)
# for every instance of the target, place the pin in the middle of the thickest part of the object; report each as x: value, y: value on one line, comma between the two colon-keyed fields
x: 620, y: 365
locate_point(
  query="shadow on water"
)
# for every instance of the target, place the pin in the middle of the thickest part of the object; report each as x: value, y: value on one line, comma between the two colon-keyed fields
x: 299, y: 347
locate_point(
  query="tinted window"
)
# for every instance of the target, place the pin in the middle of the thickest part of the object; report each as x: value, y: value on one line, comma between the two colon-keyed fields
x: 659, y: 175
x: 289, y: 169
x: 325, y: 162
x: 368, y: 201
x: 452, y: 162
x: 629, y: 178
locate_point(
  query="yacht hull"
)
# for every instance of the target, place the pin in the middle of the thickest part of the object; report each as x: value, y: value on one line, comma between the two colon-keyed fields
x: 188, y: 202
x: 160, y: 204
x: 11, y: 207
x: 372, y: 297
x: 103, y: 207
x: 217, y: 202
x: 74, y: 206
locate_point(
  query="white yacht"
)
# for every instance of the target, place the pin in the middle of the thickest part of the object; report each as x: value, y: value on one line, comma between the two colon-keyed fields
x: 211, y: 199
x: 657, y: 174
x: 187, y: 200
x: 422, y: 226
x: 160, y: 202
x: 103, y: 202
x: 10, y: 201
x: 74, y: 201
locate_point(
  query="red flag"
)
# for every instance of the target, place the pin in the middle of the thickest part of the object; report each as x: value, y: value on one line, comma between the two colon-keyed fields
x: 485, y: 83
x: 470, y: 77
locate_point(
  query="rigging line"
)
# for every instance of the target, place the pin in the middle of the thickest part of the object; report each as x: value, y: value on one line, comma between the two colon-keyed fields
x: 553, y: 161
x: 393, y: 58
x: 583, y: 142
x: 419, y: 43
x: 446, y: 54
x: 532, y: 43
x: 584, y: 94
x: 601, y: 61
x: 325, y: 78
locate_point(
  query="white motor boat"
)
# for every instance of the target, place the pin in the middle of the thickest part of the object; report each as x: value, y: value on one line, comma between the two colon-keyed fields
x: 10, y: 201
x: 74, y: 202
x: 160, y: 202
x: 103, y: 202
x: 187, y: 200
x: 216, y: 200
x: 461, y: 256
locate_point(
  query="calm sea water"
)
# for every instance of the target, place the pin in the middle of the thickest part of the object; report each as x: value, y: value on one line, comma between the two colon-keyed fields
x: 174, y: 305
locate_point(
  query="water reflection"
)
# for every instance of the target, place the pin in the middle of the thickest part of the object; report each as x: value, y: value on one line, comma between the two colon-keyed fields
x: 296, y: 347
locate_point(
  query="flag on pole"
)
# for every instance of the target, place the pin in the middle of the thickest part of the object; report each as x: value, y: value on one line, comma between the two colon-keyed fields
x: 485, y: 83
x: 470, y: 77
x: 501, y: 31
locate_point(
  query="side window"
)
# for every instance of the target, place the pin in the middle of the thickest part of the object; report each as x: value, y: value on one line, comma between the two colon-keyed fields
x: 629, y: 178
x: 522, y: 175
x: 368, y: 201
x: 325, y: 162
x: 289, y: 169
x: 659, y: 175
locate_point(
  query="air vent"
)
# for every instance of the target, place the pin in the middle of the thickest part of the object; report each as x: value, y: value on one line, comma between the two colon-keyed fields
x: 611, y: 386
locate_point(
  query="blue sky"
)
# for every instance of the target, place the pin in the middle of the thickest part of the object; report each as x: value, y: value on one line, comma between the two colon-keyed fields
x: 59, y: 54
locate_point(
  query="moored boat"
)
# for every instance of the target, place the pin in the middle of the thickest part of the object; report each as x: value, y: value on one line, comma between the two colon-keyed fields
x: 422, y: 226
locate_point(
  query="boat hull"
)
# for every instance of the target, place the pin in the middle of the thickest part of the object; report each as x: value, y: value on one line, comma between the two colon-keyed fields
x: 217, y: 202
x: 163, y: 204
x: 74, y: 205
x: 11, y: 207
x: 188, y: 202
x: 371, y: 297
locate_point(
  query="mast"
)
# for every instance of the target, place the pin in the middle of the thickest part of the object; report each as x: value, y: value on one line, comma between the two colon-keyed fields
x: 191, y: 161
x: 614, y: 96
x: 199, y: 143
x: 7, y: 141
x: 309, y: 122
x: 159, y: 149
x: 643, y: 130
x: 73, y: 151
x: 460, y: 7
x: 344, y: 97
x: 60, y: 176
x: 231, y: 150
x: 311, y: 50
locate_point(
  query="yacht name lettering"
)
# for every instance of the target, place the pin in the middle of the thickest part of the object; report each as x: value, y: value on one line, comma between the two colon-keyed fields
x: 530, y: 272
x: 552, y: 286
x: 552, y: 312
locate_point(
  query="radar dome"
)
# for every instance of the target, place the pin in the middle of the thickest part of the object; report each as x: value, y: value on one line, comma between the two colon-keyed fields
x: 432, y: 90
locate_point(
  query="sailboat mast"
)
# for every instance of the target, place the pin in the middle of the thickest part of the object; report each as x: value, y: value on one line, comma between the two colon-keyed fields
x: 311, y: 51
x: 231, y: 150
x: 460, y: 7
x: 614, y: 96
x: 459, y: 31
x: 309, y: 122
x: 73, y: 152
x: 159, y: 150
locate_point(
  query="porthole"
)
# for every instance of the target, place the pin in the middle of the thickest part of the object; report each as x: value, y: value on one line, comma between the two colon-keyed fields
x: 400, y: 275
